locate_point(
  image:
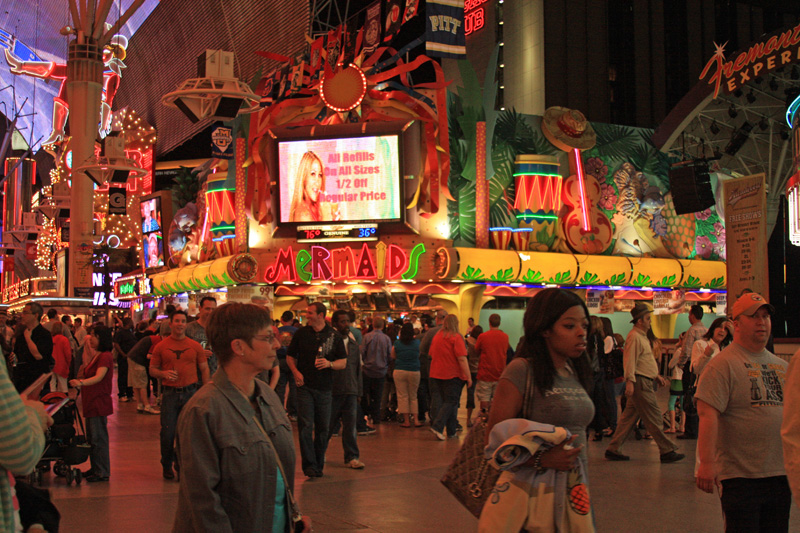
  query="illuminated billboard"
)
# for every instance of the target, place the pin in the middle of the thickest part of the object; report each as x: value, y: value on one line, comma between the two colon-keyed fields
x: 343, y: 179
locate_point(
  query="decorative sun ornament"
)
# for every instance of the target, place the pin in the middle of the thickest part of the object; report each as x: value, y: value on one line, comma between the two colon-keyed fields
x: 345, y: 90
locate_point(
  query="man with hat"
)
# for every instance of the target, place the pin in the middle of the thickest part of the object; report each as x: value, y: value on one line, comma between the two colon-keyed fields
x: 740, y: 403
x: 640, y: 372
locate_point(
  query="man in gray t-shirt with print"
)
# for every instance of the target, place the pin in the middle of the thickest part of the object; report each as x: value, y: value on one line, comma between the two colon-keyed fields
x: 740, y: 403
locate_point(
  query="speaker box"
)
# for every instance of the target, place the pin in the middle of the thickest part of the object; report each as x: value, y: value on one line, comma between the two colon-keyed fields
x: 691, y: 188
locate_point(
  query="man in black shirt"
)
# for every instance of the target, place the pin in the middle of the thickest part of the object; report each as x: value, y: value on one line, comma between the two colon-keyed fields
x: 124, y: 340
x: 316, y: 349
x: 34, y: 348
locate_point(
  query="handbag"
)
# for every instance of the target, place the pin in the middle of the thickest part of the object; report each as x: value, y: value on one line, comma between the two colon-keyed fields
x: 470, y: 477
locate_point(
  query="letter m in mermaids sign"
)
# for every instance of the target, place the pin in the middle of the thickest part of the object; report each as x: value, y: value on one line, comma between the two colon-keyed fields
x: 444, y: 29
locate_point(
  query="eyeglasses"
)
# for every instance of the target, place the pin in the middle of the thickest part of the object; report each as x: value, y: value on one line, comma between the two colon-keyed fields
x: 265, y: 338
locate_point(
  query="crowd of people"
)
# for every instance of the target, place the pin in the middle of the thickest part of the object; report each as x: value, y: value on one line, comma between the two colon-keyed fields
x: 233, y: 381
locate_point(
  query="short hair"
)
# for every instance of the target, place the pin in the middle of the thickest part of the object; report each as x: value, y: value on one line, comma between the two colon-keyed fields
x: 351, y: 315
x: 57, y: 329
x: 377, y: 322
x: 233, y: 321
x: 104, y: 338
x: 164, y: 329
x: 320, y: 308
x: 127, y: 322
x: 79, y: 321
x: 178, y: 312
x: 494, y: 320
x: 37, y: 310
x: 142, y: 326
x: 336, y: 314
x: 696, y: 311
x: 170, y: 309
x: 52, y: 313
x: 476, y: 332
x: 65, y: 318
x: 287, y: 316
x: 205, y: 299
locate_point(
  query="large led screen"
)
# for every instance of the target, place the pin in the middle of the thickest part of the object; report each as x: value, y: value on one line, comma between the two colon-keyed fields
x: 340, y: 180
x: 152, y: 241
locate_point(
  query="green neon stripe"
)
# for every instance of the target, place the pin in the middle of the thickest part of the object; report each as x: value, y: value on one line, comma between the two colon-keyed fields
x: 536, y: 174
x: 546, y: 217
x: 413, y: 262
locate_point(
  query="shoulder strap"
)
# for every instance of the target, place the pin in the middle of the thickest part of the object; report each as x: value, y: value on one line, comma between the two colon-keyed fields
x: 529, y: 387
x: 294, y: 510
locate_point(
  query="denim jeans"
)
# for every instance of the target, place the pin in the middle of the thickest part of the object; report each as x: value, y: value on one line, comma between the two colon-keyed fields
x: 286, y: 378
x: 313, y: 419
x: 436, y: 399
x: 171, y: 404
x: 345, y: 406
x: 373, y: 393
x: 97, y: 428
x: 423, y: 397
x: 448, y: 392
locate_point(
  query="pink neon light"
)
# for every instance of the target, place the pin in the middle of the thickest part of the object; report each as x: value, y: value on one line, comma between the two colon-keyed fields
x: 582, y: 184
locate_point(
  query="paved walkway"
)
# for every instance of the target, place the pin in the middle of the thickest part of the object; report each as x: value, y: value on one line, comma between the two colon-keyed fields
x: 399, y: 491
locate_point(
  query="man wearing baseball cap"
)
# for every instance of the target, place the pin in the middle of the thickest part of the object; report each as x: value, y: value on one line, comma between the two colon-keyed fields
x: 641, y: 370
x: 740, y: 403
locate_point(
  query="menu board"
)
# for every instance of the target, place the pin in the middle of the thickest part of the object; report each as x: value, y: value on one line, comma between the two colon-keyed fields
x: 746, y: 231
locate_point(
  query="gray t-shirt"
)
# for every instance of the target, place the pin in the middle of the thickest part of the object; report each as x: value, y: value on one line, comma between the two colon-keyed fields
x: 747, y: 389
x: 566, y: 405
x: 196, y: 332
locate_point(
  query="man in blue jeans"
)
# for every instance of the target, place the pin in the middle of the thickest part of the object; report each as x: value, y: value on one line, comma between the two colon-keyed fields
x: 315, y: 351
x: 347, y: 387
x: 177, y: 361
x: 375, y: 353
x: 285, y: 333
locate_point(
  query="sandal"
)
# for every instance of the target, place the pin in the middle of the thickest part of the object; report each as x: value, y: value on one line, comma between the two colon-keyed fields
x: 670, y: 431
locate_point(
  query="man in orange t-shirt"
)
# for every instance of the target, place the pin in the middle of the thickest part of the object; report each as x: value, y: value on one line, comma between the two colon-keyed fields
x: 492, y: 347
x: 177, y: 361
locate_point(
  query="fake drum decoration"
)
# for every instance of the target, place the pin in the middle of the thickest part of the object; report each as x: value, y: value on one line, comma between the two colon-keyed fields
x: 538, y: 197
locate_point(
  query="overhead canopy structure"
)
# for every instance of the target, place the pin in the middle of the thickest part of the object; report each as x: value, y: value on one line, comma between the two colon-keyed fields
x: 736, y: 114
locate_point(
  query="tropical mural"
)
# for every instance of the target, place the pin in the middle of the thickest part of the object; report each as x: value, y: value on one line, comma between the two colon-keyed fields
x: 626, y: 187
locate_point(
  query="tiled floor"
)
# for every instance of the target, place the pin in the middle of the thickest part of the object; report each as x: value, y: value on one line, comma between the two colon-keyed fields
x: 399, y: 491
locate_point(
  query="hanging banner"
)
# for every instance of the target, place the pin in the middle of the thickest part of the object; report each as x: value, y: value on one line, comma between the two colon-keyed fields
x: 444, y: 29
x: 266, y: 89
x: 746, y: 232
x: 222, y: 142
x: 315, y: 61
x: 372, y: 27
x: 334, y: 51
x: 117, y: 201
x: 412, y: 7
x: 600, y: 302
x: 392, y: 18
x: 722, y: 304
x: 668, y: 302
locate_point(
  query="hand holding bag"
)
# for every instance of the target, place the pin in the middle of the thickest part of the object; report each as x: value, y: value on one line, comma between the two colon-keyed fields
x: 470, y: 477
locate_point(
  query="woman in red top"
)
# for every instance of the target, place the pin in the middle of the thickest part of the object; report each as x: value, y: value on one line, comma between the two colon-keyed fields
x: 449, y: 371
x: 62, y: 355
x: 96, y: 389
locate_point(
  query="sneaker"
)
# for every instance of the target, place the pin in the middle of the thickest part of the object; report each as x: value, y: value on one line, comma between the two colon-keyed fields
x: 616, y: 456
x: 671, y: 457
x: 368, y: 431
x: 439, y: 434
x: 140, y: 408
x: 355, y: 464
x: 151, y: 410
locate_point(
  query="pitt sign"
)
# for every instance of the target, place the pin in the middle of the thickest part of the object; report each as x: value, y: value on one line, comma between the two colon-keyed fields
x: 777, y: 51
x: 321, y: 264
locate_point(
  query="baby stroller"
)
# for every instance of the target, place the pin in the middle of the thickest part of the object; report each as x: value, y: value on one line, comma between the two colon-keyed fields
x: 65, y: 441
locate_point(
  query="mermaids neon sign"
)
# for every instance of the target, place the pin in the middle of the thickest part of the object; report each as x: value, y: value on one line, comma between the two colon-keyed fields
x: 384, y: 262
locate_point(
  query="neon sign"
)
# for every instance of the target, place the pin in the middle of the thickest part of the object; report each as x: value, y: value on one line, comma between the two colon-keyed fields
x: 474, y: 16
x: 321, y: 264
x: 780, y: 49
x: 100, y: 296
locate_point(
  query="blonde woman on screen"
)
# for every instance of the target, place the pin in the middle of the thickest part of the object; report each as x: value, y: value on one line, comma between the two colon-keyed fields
x: 307, y: 204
